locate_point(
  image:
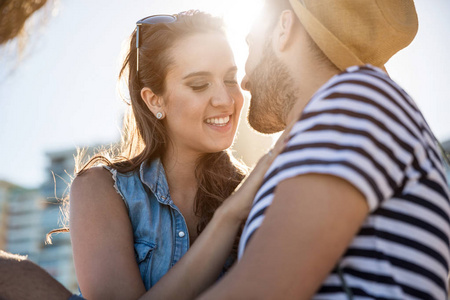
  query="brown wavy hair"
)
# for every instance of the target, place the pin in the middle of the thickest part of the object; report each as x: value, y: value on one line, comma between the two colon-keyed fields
x: 144, y: 138
x: 14, y: 15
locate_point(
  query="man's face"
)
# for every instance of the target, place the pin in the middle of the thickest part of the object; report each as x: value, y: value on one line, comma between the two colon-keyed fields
x: 268, y: 80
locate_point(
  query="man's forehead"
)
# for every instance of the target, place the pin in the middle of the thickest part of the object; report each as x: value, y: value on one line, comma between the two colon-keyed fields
x: 260, y: 25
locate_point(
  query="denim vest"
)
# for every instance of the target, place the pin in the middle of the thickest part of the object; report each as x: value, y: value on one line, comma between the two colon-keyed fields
x: 160, y: 232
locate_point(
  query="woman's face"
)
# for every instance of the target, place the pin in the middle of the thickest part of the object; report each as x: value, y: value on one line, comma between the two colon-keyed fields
x: 203, y: 101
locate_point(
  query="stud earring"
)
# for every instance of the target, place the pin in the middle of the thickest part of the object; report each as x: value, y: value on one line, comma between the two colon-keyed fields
x: 159, y: 115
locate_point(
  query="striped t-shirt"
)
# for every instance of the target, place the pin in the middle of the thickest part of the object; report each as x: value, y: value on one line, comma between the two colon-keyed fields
x: 362, y: 127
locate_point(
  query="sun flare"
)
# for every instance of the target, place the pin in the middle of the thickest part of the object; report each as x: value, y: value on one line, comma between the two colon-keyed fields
x: 238, y: 16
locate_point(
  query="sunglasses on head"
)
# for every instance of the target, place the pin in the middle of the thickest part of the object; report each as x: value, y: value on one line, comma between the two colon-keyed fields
x: 155, y: 19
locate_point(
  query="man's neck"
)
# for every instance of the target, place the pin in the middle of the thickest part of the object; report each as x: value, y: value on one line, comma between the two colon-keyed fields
x: 308, y: 83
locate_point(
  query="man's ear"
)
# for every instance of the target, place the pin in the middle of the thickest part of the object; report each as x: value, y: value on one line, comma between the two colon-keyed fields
x: 284, y: 34
x: 154, y: 102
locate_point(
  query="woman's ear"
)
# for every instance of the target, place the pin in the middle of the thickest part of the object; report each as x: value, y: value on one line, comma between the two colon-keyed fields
x: 154, y: 102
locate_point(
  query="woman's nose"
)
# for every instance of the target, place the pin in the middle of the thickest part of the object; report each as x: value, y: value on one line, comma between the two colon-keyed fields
x: 222, y: 97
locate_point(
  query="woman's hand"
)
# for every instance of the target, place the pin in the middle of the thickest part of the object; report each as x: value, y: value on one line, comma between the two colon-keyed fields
x: 238, y: 205
x: 213, y: 246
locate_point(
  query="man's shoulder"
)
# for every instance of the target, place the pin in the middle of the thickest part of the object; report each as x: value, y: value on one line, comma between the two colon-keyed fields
x: 359, y: 76
x: 360, y: 85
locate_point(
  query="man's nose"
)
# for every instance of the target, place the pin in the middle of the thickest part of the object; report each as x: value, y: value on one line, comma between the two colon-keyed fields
x: 244, y: 83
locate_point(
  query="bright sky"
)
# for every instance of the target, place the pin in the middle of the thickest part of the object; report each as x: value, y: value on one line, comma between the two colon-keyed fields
x: 63, y: 94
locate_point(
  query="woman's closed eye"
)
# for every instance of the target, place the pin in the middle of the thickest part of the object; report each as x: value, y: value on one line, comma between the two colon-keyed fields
x: 230, y: 78
x: 199, y: 87
x: 231, y: 82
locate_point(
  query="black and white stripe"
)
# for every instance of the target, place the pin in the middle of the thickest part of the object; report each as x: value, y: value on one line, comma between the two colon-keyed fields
x: 364, y: 128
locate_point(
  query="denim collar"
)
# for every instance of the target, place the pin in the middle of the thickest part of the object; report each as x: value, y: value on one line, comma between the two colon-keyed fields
x: 154, y: 177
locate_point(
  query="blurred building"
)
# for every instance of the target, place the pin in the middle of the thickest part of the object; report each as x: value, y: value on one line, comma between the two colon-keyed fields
x: 27, y: 215
x: 5, y: 190
x: 19, y: 217
x: 23, y: 230
x: 56, y: 258
x: 19, y: 222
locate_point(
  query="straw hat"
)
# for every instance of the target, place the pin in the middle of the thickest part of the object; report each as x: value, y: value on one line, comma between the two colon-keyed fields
x: 356, y: 32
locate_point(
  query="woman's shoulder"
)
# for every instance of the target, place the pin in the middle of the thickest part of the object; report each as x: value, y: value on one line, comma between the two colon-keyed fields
x: 95, y: 183
x: 93, y: 177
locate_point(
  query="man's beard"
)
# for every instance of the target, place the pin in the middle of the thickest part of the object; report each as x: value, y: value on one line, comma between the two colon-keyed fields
x: 273, y: 93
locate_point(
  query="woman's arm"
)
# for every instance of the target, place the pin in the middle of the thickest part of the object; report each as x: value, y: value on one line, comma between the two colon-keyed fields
x: 103, y: 248
x: 200, y: 267
x: 102, y: 239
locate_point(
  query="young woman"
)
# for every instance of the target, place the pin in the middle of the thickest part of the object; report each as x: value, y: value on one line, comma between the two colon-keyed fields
x: 134, y: 218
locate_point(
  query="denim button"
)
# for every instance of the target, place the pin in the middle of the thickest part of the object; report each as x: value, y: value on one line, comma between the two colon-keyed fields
x: 181, y: 234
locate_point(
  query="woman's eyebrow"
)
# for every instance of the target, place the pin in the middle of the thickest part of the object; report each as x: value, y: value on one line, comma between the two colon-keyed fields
x: 204, y: 73
x: 232, y: 69
x: 193, y: 74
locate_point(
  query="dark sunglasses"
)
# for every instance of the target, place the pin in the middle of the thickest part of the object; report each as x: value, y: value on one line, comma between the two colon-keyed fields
x: 155, y: 19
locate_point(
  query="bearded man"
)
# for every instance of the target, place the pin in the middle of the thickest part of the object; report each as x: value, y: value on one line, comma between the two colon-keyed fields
x: 356, y: 206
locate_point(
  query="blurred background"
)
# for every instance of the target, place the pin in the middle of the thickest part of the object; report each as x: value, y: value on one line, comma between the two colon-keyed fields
x: 58, y: 91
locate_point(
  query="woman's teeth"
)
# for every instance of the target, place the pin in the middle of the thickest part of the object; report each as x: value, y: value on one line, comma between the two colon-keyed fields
x: 218, y: 121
